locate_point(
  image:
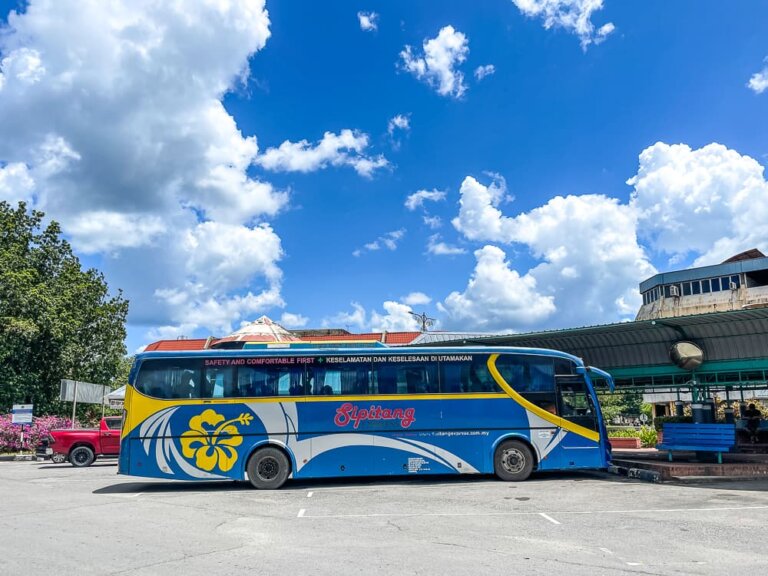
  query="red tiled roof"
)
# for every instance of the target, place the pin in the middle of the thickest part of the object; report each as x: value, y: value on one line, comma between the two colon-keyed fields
x: 389, y: 337
x: 172, y: 345
x: 400, y: 337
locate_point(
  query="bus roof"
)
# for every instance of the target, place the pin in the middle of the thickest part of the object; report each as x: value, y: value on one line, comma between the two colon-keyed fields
x: 399, y: 351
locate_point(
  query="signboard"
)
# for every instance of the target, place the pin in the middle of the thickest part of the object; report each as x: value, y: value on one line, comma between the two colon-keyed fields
x: 82, y: 392
x: 21, y: 413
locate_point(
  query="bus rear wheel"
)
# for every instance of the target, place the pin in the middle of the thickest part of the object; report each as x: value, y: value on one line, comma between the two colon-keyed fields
x: 513, y: 461
x: 268, y: 468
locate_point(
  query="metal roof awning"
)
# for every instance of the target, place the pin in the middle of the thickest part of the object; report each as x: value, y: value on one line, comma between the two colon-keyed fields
x: 733, y: 335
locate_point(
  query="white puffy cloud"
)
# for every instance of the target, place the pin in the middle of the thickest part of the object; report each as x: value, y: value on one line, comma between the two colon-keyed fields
x: 590, y: 262
x: 226, y: 256
x: 416, y: 299
x: 575, y: 16
x: 479, y: 216
x: 710, y: 202
x: 343, y: 149
x: 355, y: 319
x: 496, y: 298
x: 417, y: 199
x: 388, y: 241
x: 398, y: 122
x: 438, y: 64
x: 293, y: 321
x: 106, y: 231
x: 483, y: 71
x: 16, y: 183
x: 123, y: 138
x: 195, y: 305
x: 439, y: 248
x: 369, y: 21
x: 433, y: 222
x: 396, y: 318
x: 759, y: 81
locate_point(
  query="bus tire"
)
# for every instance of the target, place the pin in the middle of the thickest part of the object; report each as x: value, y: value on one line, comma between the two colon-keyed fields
x: 513, y: 461
x: 268, y: 468
x: 81, y: 456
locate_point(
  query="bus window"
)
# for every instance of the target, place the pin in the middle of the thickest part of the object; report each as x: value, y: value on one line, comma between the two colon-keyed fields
x: 405, y: 378
x: 218, y: 382
x: 575, y: 403
x: 269, y: 381
x: 336, y: 379
x: 467, y: 376
x: 171, y: 378
x: 528, y: 373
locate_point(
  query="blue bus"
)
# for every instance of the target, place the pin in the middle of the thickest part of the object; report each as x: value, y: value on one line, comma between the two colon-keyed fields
x: 269, y: 415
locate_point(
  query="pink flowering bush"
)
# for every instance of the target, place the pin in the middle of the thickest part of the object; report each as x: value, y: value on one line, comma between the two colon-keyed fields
x: 10, y: 434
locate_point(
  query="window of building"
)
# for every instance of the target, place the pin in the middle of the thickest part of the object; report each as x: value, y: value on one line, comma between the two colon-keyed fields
x: 725, y: 282
x: 687, y: 289
x: 735, y: 281
x: 696, y: 287
x: 705, y: 286
x: 715, y: 284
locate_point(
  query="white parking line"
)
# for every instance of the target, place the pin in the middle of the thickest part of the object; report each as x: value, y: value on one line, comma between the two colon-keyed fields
x: 309, y: 494
x: 546, y: 517
x: 634, y: 563
x: 606, y: 550
x: 301, y: 513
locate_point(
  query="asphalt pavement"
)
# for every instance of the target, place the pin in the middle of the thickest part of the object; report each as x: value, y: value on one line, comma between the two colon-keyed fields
x: 56, y: 519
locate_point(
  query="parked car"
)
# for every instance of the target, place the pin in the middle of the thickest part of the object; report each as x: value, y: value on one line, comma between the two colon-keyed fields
x: 81, y: 446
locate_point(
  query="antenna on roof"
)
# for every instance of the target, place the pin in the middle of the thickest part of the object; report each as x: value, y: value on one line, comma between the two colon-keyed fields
x: 426, y: 321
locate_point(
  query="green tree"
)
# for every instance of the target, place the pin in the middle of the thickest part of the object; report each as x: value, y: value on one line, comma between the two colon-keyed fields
x: 56, y: 320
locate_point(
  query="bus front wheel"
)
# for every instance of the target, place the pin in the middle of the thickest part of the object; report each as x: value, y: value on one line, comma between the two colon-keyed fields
x: 268, y: 468
x: 513, y: 461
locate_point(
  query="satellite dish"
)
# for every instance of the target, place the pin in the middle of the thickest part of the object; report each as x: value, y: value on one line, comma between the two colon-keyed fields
x: 686, y: 355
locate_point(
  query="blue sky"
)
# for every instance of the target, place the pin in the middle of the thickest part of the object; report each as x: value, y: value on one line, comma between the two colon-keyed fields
x: 226, y: 162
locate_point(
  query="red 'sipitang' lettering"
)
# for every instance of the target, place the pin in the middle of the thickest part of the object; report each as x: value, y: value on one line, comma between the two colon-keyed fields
x: 349, y: 413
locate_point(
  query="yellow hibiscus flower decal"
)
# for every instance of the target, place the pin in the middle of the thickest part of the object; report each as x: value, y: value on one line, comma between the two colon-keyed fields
x: 211, y: 441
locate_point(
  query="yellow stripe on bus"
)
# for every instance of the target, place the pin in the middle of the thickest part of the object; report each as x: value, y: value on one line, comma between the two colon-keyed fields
x: 540, y: 412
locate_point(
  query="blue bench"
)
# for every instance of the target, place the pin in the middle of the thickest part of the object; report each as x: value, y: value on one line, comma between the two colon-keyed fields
x: 717, y: 438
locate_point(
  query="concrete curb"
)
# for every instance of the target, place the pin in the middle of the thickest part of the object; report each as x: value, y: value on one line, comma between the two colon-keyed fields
x: 711, y: 479
x: 18, y: 458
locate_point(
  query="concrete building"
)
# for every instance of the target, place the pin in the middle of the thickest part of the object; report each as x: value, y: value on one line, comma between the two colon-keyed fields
x: 739, y: 283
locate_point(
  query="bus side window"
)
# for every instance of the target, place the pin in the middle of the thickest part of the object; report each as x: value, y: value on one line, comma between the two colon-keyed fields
x: 386, y: 379
x: 217, y: 381
x: 169, y: 378
x: 453, y: 377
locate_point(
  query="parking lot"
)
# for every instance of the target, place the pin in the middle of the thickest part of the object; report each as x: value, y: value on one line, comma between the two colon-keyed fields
x: 55, y: 519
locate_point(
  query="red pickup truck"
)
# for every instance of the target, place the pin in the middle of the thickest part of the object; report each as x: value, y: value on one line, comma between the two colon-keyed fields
x: 81, y: 446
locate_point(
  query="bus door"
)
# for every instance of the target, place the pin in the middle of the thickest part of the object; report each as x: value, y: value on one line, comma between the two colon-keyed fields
x: 575, y: 406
